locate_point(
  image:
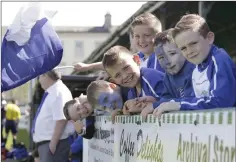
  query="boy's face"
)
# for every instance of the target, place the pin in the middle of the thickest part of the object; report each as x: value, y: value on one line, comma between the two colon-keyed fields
x: 125, y: 73
x: 194, y: 47
x: 170, y: 58
x: 81, y: 109
x: 143, y: 38
x: 110, y: 98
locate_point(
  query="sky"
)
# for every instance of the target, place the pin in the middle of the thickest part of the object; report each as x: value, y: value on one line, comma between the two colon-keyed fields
x: 78, y: 13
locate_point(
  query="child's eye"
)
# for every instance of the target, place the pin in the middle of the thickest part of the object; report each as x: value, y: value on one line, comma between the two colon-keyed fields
x: 182, y: 49
x: 161, y: 57
x: 173, y: 53
x: 126, y: 68
x: 193, y: 43
x: 147, y: 35
x: 136, y: 36
x: 117, y: 76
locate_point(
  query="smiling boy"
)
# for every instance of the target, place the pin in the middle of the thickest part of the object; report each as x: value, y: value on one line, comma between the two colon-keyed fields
x: 123, y: 70
x: 213, y: 79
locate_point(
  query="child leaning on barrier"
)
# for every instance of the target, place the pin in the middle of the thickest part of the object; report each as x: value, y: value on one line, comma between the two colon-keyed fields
x: 78, y: 109
x: 213, y: 79
x: 105, y: 96
x: 123, y: 69
x: 178, y: 76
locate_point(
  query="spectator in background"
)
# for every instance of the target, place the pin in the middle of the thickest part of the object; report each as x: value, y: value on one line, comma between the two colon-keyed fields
x: 13, y: 116
x: 50, y: 129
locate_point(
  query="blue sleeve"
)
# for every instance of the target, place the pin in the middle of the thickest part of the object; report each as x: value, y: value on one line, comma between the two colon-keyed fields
x: 77, y: 145
x: 157, y: 83
x: 222, y: 88
x: 165, y: 96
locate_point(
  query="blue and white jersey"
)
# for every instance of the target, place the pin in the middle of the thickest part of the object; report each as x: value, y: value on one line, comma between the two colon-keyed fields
x: 178, y: 85
x: 150, y: 62
x: 151, y: 84
x: 214, y: 82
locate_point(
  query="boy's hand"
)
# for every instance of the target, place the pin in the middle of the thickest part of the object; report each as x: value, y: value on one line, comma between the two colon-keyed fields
x: 113, y: 115
x: 166, y: 106
x: 148, y: 109
x: 128, y: 104
x: 78, y: 125
x: 81, y: 67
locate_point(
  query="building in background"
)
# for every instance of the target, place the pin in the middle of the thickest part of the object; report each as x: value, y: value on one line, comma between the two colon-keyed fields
x: 78, y: 44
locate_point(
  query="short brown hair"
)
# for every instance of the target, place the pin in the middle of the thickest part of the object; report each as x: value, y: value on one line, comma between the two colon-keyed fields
x: 93, y: 89
x: 54, y: 75
x: 192, y: 22
x: 66, y: 108
x: 112, y: 56
x: 163, y: 37
x: 147, y: 19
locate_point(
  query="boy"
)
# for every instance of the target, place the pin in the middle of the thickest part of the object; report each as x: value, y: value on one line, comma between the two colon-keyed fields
x: 213, y: 79
x: 78, y: 109
x: 144, y: 29
x: 177, y: 81
x: 120, y: 65
x: 104, y: 96
x: 143, y: 32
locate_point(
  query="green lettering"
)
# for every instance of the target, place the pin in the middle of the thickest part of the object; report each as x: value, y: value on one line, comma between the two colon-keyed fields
x: 179, y: 151
x: 187, y: 152
x: 216, y: 148
x: 226, y: 154
x: 233, y: 152
x: 221, y: 151
x: 199, y: 152
x: 204, y: 157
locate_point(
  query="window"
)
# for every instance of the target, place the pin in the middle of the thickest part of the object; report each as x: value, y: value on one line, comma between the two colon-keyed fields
x: 79, y: 49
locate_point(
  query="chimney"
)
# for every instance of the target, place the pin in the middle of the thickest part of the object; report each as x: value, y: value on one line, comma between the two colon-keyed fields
x: 107, y: 23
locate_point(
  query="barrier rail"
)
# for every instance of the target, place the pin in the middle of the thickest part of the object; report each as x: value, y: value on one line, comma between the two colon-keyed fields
x: 196, y: 136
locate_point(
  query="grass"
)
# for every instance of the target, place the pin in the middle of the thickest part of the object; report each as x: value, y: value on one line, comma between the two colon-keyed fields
x: 22, y: 136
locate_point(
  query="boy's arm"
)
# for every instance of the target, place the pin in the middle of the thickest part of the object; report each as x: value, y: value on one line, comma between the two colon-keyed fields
x: 222, y: 89
x: 166, y: 96
x: 81, y: 67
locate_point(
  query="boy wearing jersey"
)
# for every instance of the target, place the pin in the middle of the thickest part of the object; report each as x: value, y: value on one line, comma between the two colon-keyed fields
x: 213, y: 79
x: 121, y: 66
x: 178, y: 76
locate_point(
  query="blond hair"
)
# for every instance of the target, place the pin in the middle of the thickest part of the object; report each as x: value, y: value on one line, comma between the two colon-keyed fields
x: 191, y: 22
x: 147, y: 19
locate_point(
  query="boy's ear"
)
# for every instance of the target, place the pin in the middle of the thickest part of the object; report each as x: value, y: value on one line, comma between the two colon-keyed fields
x: 136, y: 59
x: 211, y: 37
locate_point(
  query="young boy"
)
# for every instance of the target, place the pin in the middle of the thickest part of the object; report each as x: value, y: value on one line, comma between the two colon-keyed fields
x: 177, y: 80
x: 120, y: 65
x: 78, y: 109
x: 104, y: 96
x: 213, y: 79
x: 144, y: 29
x: 143, y: 32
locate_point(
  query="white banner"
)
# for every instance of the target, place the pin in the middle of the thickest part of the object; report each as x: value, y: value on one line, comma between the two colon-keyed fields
x: 179, y: 137
x: 101, y: 146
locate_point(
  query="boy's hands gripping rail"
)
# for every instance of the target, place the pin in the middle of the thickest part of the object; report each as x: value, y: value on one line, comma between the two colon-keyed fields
x: 141, y: 105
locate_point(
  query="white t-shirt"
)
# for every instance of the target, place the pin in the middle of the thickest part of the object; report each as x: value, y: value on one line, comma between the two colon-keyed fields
x: 51, y: 111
